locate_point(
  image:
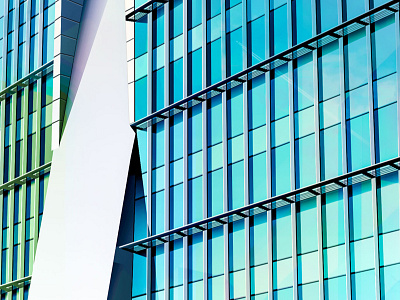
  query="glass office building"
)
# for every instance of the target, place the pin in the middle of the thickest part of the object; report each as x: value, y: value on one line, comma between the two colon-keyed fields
x: 32, y: 64
x: 267, y: 133
x: 26, y: 84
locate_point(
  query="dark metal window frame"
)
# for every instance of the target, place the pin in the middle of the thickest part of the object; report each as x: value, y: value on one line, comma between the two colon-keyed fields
x: 330, y: 185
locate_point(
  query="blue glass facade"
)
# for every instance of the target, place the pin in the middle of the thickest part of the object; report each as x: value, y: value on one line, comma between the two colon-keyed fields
x: 312, y: 117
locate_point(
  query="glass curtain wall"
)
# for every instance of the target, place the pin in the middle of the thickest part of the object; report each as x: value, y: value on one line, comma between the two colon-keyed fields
x: 324, y: 114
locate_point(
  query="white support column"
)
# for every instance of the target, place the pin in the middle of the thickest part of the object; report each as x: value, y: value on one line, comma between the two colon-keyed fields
x: 89, y: 168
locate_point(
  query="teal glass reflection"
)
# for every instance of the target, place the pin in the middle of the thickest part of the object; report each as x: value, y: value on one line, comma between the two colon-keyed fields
x: 234, y: 18
x: 385, y: 91
x: 176, y: 81
x: 237, y: 250
x: 283, y: 274
x: 259, y: 280
x: 383, y: 48
x: 195, y: 194
x: 335, y: 288
x: 356, y: 59
x: 388, y: 203
x: 214, y: 115
x: 235, y: 111
x: 158, y: 181
x: 328, y: 14
x: 176, y: 172
x: 257, y: 102
x: 195, y: 291
x: 303, y: 84
x: 235, y: 149
x: 256, y: 40
x: 255, y: 9
x: 304, y: 122
x: 176, y: 137
x: 389, y: 243
x: 363, y: 285
x: 140, y: 221
x: 257, y: 140
x: 354, y: 8
x: 332, y: 219
x: 158, y: 145
x: 176, y: 206
x: 309, y: 291
x: 234, y: 52
x: 329, y: 112
x: 307, y: 236
x: 334, y: 261
x: 281, y: 233
x: 195, y: 162
x: 216, y: 252
x: 258, y: 240
x: 140, y: 37
x: 257, y: 178
x: 214, y: 59
x: 329, y: 68
x: 302, y: 10
x: 278, y: 23
x: 357, y: 102
x: 141, y: 98
x: 215, y: 193
x: 157, y: 268
x: 358, y: 143
x: 280, y: 132
x: 305, y: 161
x: 216, y: 288
x: 195, y: 61
x: 279, y: 93
x: 237, y: 284
x: 280, y: 161
x: 176, y: 263
x: 390, y: 278
x: 362, y: 255
x: 360, y: 211
x: 195, y: 126
x: 157, y: 213
x: 195, y: 257
x: 386, y: 136
x: 331, y: 152
x: 176, y: 18
x: 307, y: 267
x: 139, y: 282
x: 236, y: 185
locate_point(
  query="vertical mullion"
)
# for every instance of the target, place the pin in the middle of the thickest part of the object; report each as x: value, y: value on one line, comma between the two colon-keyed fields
x: 373, y: 158
x: 397, y: 30
x: 204, y: 144
x: 344, y: 154
x: 225, y: 147
x: 268, y: 153
x: 185, y: 152
x: 2, y: 107
x: 246, y: 153
x: 166, y: 148
x: 292, y: 151
x: 314, y: 13
x: 204, y: 147
x: 149, y: 144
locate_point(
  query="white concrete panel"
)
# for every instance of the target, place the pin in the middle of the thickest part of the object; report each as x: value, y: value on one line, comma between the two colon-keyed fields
x: 87, y: 182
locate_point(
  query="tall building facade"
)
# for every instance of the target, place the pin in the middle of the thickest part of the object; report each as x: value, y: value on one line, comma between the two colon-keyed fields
x: 37, y: 44
x: 268, y: 140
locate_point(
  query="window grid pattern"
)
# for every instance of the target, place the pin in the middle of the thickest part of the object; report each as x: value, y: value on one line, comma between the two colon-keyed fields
x: 27, y: 29
x: 308, y: 250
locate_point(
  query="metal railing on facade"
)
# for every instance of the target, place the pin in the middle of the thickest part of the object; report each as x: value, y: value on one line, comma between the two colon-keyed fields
x: 330, y: 185
x: 269, y: 64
